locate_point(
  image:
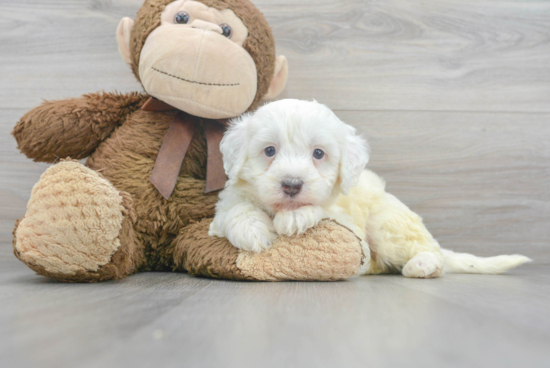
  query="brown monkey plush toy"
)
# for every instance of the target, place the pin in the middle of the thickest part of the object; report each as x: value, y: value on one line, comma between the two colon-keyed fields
x: 146, y: 195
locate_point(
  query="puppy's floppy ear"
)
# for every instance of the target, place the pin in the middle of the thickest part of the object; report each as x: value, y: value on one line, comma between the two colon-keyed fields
x: 355, y: 156
x: 233, y: 148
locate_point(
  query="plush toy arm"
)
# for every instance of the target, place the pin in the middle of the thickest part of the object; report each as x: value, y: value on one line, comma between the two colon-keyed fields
x: 325, y: 252
x: 73, y: 127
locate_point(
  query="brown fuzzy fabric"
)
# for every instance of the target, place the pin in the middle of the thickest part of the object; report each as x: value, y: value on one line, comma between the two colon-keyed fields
x: 259, y: 43
x: 193, y: 250
x: 127, y: 158
x: 310, y: 256
x: 73, y: 127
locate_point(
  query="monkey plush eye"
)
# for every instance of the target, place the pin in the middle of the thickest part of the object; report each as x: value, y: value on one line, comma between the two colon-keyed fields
x: 318, y: 154
x: 270, y: 151
x: 226, y: 30
x: 181, y: 18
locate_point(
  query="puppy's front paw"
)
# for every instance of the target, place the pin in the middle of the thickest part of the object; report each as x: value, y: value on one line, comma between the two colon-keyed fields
x: 298, y: 221
x: 253, y: 236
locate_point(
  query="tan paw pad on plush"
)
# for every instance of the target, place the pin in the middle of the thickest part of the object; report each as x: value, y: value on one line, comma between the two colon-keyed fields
x: 326, y: 252
x: 73, y: 221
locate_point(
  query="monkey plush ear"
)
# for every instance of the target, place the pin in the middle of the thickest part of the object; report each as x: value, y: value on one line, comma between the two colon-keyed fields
x: 123, y: 38
x: 278, y: 81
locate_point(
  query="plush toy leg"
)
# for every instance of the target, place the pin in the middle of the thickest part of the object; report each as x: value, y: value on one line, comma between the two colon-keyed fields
x: 78, y: 227
x: 326, y: 252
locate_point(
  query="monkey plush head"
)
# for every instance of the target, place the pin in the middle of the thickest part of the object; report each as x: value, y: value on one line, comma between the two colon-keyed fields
x: 210, y: 58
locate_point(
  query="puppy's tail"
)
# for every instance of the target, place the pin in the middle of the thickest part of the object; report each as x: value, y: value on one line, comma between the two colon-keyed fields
x: 468, y: 263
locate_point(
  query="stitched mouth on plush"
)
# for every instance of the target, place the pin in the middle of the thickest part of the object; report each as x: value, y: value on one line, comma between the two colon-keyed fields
x: 196, y: 82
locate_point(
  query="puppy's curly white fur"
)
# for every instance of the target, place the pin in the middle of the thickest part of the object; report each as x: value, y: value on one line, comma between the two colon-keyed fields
x: 293, y: 163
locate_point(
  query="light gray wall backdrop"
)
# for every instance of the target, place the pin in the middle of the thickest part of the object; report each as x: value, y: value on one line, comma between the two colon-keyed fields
x: 454, y: 97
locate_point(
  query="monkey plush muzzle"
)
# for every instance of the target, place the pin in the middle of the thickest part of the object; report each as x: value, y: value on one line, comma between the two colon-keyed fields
x: 198, y: 70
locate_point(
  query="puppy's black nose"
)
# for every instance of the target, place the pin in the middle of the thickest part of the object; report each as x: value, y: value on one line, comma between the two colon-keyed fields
x: 292, y: 186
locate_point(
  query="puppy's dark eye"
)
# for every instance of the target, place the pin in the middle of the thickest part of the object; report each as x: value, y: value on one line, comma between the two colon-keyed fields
x: 181, y: 18
x: 270, y: 151
x: 318, y: 154
x: 226, y: 30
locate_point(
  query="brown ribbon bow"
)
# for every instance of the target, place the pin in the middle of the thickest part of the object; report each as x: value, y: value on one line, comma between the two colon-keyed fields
x: 175, y: 144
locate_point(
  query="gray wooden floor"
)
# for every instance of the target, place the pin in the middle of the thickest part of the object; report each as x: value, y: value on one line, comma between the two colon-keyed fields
x: 175, y: 320
x: 454, y: 97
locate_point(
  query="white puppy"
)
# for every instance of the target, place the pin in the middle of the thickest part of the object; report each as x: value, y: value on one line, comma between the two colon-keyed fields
x: 293, y: 163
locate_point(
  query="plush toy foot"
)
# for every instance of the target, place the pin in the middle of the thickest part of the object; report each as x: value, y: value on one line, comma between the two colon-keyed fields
x: 424, y: 265
x: 73, y: 227
x: 326, y: 252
